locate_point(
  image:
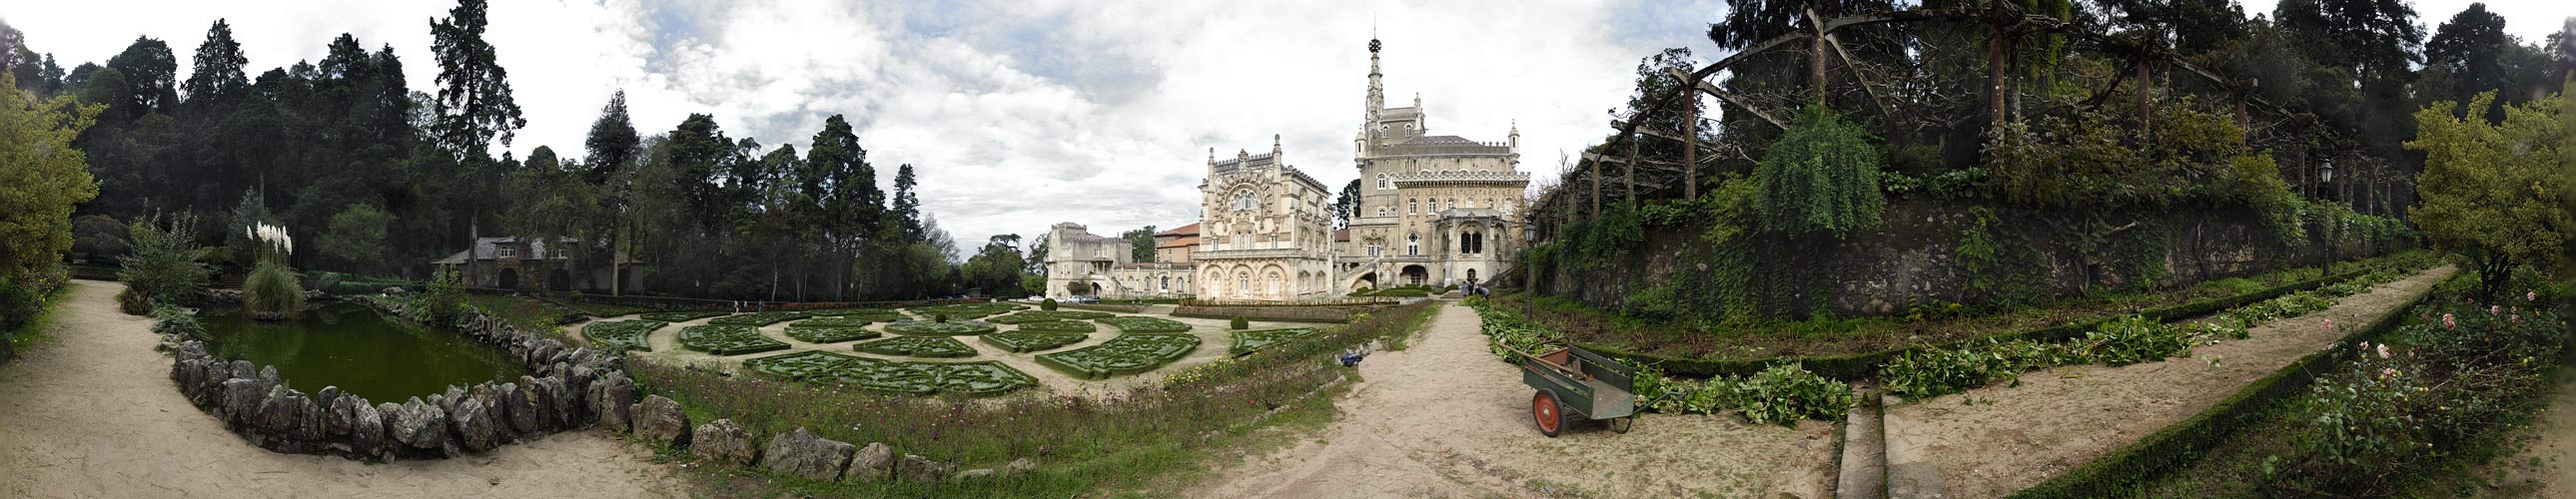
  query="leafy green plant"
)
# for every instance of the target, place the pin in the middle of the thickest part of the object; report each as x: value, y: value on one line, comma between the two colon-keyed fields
x: 1032, y: 341
x: 1058, y: 327
x: 446, y: 295
x: 814, y: 334
x: 271, y: 291
x: 619, y: 336
x: 164, y: 266
x: 918, y: 346
x: 1238, y: 323
x: 1787, y: 393
x: 923, y: 328
x: 2134, y: 339
x: 171, y: 320
x: 800, y: 366
x: 1820, y: 177
x: 1125, y: 354
x: 1133, y: 324
x: 727, y: 340
x: 1048, y: 305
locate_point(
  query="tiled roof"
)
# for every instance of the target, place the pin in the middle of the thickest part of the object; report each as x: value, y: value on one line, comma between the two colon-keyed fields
x: 1185, y: 230
x: 1184, y: 241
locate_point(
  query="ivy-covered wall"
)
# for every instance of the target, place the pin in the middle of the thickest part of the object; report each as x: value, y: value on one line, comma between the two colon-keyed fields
x: 1929, y: 252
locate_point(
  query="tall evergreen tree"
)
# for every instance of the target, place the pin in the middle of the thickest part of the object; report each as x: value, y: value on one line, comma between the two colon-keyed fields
x: 217, y: 78
x: 907, y: 204
x: 612, y: 143
x: 150, y: 77
x: 474, y: 103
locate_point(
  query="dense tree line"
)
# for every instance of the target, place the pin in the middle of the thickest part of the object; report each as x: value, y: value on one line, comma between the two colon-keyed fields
x: 387, y: 178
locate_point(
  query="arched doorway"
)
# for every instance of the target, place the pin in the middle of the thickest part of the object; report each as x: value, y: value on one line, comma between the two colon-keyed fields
x: 1077, y: 288
x: 1366, y: 280
x: 559, y: 280
x: 1415, y: 275
x: 509, y: 278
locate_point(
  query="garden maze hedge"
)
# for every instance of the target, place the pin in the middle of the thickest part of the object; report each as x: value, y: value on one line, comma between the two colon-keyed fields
x: 828, y: 334
x: 727, y: 339
x: 918, y: 346
x: 1048, y: 315
x: 1247, y: 341
x: 1132, y: 324
x: 758, y: 318
x: 919, y: 378
x: 621, y: 335
x: 679, y: 316
x: 864, y: 314
x: 1058, y: 327
x: 1031, y: 341
x: 928, y: 328
x: 831, y: 322
x: 1126, y: 354
x: 966, y: 310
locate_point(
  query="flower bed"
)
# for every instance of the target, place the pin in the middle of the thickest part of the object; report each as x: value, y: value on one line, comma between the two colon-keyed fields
x: 1133, y: 325
x: 1059, y: 327
x: 679, y: 316
x: 1247, y: 341
x: 1126, y: 354
x: 830, y: 322
x: 966, y: 310
x: 758, y: 318
x: 864, y: 314
x: 1048, y: 315
x: 1031, y: 341
x: 621, y: 336
x: 727, y: 339
x: 928, y: 328
x: 918, y: 378
x: 828, y: 334
x: 918, y: 346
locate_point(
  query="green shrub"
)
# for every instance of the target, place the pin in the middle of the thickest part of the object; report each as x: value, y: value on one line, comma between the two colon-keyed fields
x: 865, y: 314
x: 918, y: 346
x: 974, y: 379
x: 1133, y: 324
x: 1048, y: 315
x: 2134, y: 339
x: 830, y: 322
x: 1247, y: 341
x: 1786, y: 393
x: 1820, y: 177
x: 446, y: 297
x: 1058, y: 327
x: 727, y: 340
x: 921, y: 328
x: 1126, y: 354
x: 164, y: 266
x: 172, y: 320
x: 1049, y: 304
x: 619, y: 336
x: 811, y: 334
x: 758, y: 319
x: 272, y: 290
x: 1032, y: 341
x: 1239, y: 324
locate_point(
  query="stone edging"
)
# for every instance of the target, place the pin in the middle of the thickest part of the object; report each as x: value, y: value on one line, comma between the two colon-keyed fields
x: 573, y: 388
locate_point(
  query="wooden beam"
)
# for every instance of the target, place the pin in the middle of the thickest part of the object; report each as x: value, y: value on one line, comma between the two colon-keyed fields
x: 1690, y: 145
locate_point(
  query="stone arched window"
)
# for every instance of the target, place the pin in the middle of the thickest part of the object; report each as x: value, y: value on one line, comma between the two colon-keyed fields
x: 1243, y: 201
x: 1413, y: 244
x: 1381, y: 181
x: 1412, y: 206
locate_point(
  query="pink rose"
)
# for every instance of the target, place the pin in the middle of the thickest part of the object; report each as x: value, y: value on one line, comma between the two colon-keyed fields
x: 2383, y: 350
x: 2386, y: 372
x: 2448, y: 323
x: 2492, y: 310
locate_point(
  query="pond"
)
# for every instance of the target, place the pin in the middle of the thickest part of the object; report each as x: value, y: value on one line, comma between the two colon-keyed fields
x: 351, y: 346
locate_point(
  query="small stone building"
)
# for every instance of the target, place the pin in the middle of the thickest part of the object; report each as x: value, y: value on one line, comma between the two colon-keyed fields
x: 513, y: 263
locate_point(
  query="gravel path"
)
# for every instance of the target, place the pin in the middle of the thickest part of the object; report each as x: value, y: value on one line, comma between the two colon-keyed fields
x: 1992, y: 441
x: 2547, y: 466
x: 1445, y: 418
x: 93, y: 414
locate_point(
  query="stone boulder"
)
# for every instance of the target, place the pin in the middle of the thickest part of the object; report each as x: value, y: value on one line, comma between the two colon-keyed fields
x: 802, y: 454
x: 974, y: 474
x: 561, y: 410
x: 240, y: 399
x: 416, y: 425
x: 660, y: 419
x: 724, y: 442
x: 476, y: 428
x: 612, y: 397
x: 527, y: 413
x: 921, y: 469
x: 875, y: 463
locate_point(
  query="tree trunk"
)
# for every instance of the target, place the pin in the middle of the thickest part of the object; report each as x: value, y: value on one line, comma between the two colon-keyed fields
x: 1995, y: 76
x: 1690, y: 141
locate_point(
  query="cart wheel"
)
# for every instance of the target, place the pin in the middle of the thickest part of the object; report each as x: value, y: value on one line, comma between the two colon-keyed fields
x: 1622, y: 425
x: 1548, y: 412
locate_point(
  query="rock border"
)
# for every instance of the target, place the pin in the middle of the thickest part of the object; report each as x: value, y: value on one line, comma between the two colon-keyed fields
x: 568, y: 390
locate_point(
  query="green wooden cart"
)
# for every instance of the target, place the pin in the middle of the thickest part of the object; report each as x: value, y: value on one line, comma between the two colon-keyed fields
x: 1575, y: 382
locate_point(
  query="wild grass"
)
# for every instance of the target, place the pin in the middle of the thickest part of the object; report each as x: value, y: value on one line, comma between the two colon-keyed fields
x: 535, y: 317
x: 1086, y: 445
x: 37, y: 330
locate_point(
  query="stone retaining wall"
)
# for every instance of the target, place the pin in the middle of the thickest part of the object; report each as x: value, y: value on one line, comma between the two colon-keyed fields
x: 571, y: 388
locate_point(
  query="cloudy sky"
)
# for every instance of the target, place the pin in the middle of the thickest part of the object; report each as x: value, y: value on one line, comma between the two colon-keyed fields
x: 1018, y: 114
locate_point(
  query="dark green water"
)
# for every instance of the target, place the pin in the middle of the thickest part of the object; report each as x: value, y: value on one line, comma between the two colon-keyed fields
x: 351, y: 346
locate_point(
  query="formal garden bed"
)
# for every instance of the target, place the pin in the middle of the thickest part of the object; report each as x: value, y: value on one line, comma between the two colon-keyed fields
x: 831, y: 322
x: 680, y: 316
x: 619, y: 336
x: 1049, y: 315
x: 918, y: 346
x: 757, y: 319
x: 864, y: 314
x: 973, y: 379
x: 1058, y: 327
x: 1123, y: 355
x: 1247, y: 341
x: 1024, y: 340
x: 965, y: 310
x: 811, y: 334
x: 1135, y: 324
x: 727, y: 340
x: 930, y: 328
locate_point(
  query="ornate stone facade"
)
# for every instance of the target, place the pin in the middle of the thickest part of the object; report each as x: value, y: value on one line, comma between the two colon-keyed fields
x: 1264, y: 230
x: 1080, y: 263
x: 1434, y: 209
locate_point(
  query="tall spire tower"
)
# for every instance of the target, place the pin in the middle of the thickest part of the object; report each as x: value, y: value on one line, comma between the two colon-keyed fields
x: 1376, y: 90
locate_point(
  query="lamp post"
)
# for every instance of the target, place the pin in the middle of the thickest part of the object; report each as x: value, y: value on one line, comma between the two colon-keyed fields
x: 2325, y: 221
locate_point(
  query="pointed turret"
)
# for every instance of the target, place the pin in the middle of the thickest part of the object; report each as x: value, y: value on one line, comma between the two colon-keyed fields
x: 1376, y: 90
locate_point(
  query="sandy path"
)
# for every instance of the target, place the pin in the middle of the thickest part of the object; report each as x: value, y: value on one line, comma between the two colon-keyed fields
x: 1446, y: 419
x: 1992, y: 441
x: 93, y: 414
x: 2547, y: 466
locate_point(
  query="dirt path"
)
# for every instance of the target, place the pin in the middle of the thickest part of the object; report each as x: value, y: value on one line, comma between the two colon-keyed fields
x: 1446, y: 419
x: 2547, y: 467
x: 1992, y: 441
x: 93, y: 414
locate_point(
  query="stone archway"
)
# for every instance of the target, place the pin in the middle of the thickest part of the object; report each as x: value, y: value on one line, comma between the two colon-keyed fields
x: 1415, y: 275
x: 509, y: 278
x: 1365, y: 280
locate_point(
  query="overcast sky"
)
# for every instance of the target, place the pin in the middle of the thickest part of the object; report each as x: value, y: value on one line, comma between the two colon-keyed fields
x: 1017, y: 114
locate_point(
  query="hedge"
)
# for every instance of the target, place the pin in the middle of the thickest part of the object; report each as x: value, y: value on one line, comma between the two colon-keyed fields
x: 727, y: 339
x: 2122, y: 471
x: 758, y: 318
x: 826, y: 334
x: 917, y: 346
x: 1865, y: 365
x: 679, y: 316
x: 1031, y: 341
x: 621, y: 335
